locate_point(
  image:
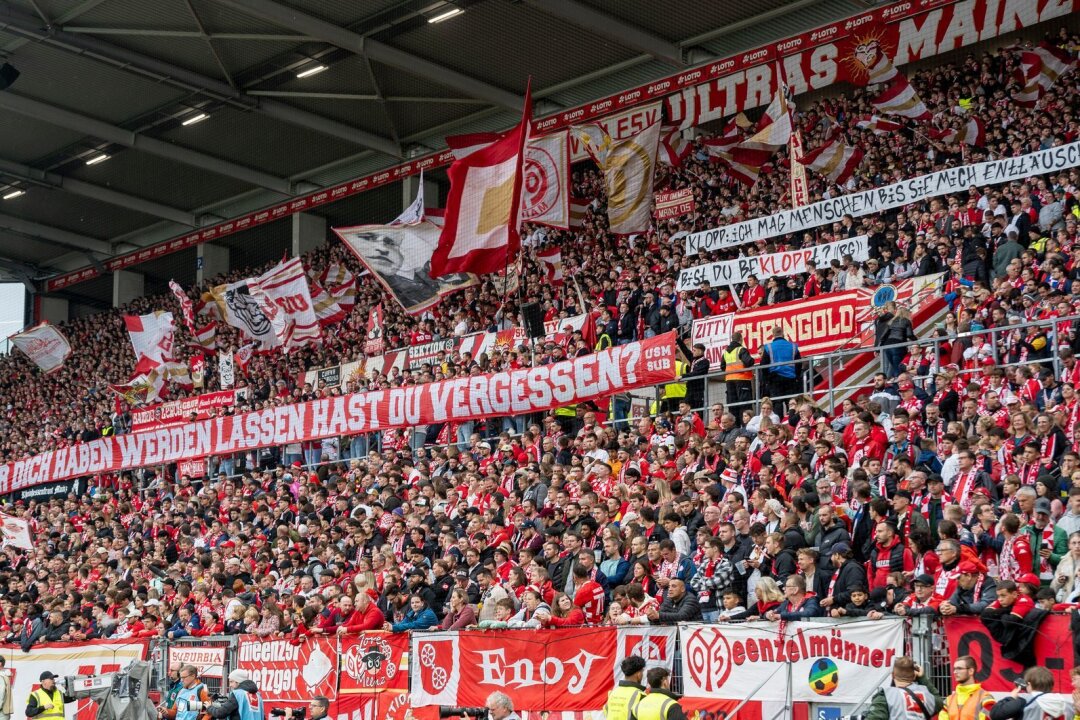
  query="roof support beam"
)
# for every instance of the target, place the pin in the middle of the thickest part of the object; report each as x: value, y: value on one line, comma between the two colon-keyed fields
x: 27, y: 26
x: 375, y: 50
x: 55, y: 235
x: 118, y: 135
x: 96, y: 192
x: 611, y: 28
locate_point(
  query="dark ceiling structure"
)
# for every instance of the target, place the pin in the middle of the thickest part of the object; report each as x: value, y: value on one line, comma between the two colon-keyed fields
x: 133, y: 121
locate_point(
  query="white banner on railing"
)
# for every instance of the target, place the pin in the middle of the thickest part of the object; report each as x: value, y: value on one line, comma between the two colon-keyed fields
x: 829, y: 662
x: 781, y: 264
x: 889, y: 197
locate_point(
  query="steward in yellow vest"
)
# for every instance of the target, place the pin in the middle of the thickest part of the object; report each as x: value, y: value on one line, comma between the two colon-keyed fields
x: 47, y: 702
x: 660, y: 703
x: 623, y: 700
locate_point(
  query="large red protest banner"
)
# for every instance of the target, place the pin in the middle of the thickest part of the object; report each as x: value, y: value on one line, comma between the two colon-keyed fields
x: 286, y: 671
x: 1053, y: 649
x: 176, y: 412
x: 811, y: 60
x: 818, y: 325
x: 516, y: 392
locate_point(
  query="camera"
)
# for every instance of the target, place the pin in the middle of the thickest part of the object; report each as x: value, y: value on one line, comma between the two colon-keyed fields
x: 300, y: 713
x: 473, y: 712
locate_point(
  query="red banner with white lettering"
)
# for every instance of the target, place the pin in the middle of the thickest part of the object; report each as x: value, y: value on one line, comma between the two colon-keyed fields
x: 514, y: 392
x: 288, y: 672
x: 674, y: 203
x: 1053, y: 649
x: 818, y: 325
x: 571, y: 669
x: 556, y: 670
x: 177, y: 412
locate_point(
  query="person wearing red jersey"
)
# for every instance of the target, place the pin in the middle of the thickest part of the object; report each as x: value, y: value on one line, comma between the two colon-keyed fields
x: 588, y: 596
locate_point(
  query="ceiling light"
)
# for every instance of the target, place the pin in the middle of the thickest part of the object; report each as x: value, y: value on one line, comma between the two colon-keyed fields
x: 446, y: 15
x: 195, y: 119
x: 14, y: 194
x: 97, y: 159
x: 311, y: 71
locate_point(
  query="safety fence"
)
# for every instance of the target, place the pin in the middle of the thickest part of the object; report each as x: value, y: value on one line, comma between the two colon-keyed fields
x: 759, y: 670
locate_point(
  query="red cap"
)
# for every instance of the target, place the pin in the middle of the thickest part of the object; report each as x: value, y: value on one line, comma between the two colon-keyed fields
x: 297, y: 464
x: 670, y: 464
x: 906, y: 386
x: 969, y: 567
x: 1029, y: 579
x: 989, y: 361
x: 228, y: 544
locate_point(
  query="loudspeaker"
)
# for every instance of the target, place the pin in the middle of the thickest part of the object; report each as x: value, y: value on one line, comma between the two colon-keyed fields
x: 534, y: 319
x: 8, y: 75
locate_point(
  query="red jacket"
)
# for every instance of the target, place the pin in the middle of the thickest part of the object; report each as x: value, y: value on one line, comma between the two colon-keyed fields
x: 364, y: 620
x: 885, y: 559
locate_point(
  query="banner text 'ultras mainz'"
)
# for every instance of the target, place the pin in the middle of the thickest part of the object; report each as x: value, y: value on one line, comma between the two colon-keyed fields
x: 516, y: 392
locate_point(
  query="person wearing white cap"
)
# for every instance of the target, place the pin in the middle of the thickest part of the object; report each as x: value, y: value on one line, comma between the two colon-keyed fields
x: 243, y: 701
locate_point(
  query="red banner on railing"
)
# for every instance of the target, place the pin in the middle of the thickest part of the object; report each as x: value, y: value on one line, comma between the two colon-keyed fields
x: 515, y: 392
x: 1054, y: 650
x: 176, y: 412
x: 374, y: 662
x: 569, y: 670
x: 286, y: 671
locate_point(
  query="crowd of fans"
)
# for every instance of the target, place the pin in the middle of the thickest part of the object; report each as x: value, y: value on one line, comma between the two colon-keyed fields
x: 952, y: 486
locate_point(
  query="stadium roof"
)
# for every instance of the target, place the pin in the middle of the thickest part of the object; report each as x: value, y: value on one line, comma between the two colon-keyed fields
x: 209, y: 108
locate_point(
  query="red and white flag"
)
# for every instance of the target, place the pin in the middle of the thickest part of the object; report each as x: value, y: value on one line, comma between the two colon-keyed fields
x: 800, y: 187
x: 723, y: 143
x: 197, y: 363
x: 1041, y: 67
x: 142, y: 388
x: 740, y: 172
x: 242, y: 357
x: 205, y: 338
x: 187, y: 308
x: 674, y: 148
x: 900, y: 98
x: 480, y: 234
x: 45, y: 345
x: 878, y: 125
x: 285, y: 299
x: 151, y: 339
x: 836, y: 160
x: 551, y: 257
x: 545, y: 182
x: 341, y: 284
x: 328, y: 310
x: 774, y: 132
x: 578, y: 208
x: 375, y: 340
x: 972, y: 132
x: 15, y: 532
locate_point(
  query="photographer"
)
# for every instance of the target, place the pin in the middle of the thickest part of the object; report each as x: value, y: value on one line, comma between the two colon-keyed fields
x: 242, y: 702
x: 500, y: 707
x: 319, y: 707
x: 910, y: 687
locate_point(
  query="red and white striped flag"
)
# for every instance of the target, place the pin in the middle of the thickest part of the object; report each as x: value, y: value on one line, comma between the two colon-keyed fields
x: 900, y: 98
x: 551, y: 257
x: 836, y: 160
x: 774, y: 132
x: 674, y: 148
x: 740, y: 172
x: 578, y: 207
x: 878, y: 125
x: 729, y: 138
x: 285, y: 299
x: 205, y: 338
x: 328, y: 310
x: 151, y: 339
x: 1041, y: 67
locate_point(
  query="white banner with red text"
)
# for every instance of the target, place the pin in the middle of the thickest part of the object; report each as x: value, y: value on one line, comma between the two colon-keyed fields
x: 829, y: 662
x: 888, y: 197
x: 779, y: 264
x: 210, y: 661
x: 176, y: 412
x: 571, y: 669
x: 63, y: 659
x: 515, y: 392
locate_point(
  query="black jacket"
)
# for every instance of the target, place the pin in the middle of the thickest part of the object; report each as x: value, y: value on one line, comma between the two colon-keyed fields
x: 684, y: 610
x: 848, y: 575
